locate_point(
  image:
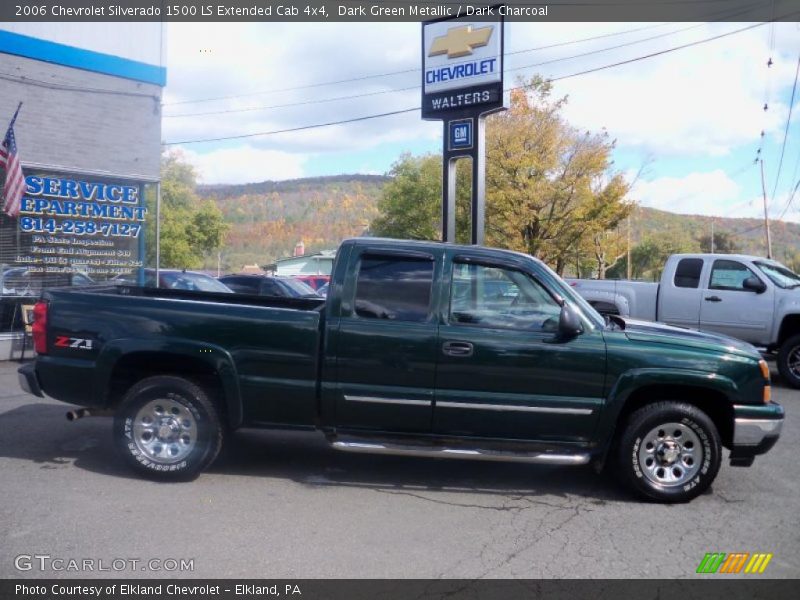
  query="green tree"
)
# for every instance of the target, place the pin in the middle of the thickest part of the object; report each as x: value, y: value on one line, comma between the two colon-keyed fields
x: 410, y: 204
x: 724, y: 243
x: 190, y: 228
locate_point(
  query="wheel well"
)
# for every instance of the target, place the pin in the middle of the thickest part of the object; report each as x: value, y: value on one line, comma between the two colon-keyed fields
x: 715, y: 404
x: 138, y: 365
x: 789, y: 327
x: 605, y: 308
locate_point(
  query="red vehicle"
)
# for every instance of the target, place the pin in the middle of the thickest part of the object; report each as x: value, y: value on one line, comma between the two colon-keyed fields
x: 315, y: 281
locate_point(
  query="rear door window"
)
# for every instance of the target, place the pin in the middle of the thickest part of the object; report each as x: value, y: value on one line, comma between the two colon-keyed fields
x: 395, y: 288
x: 687, y: 273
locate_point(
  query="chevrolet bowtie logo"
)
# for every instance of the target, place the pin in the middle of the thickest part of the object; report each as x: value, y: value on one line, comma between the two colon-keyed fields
x: 460, y: 41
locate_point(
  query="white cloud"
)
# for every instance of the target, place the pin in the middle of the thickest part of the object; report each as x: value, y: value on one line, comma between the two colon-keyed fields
x: 705, y: 100
x: 701, y: 101
x: 710, y: 193
x: 245, y: 164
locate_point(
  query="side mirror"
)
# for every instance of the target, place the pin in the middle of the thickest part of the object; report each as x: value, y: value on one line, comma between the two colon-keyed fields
x: 754, y: 284
x: 569, y: 323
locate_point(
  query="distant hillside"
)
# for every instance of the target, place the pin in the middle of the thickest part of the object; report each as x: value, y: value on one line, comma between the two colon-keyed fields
x: 268, y: 218
x: 748, y: 234
x: 305, y: 185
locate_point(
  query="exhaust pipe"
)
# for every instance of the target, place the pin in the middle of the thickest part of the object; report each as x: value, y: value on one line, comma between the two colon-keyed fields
x: 74, y: 415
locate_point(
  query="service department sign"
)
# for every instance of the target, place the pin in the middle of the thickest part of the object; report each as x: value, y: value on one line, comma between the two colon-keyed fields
x: 462, y: 67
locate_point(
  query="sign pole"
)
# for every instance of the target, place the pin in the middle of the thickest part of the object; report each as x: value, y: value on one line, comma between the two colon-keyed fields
x: 462, y: 83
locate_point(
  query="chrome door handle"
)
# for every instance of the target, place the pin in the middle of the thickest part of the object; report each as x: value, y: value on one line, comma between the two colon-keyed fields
x: 463, y: 349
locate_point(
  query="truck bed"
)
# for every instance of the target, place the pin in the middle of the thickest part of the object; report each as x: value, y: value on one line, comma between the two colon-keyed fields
x: 271, y: 344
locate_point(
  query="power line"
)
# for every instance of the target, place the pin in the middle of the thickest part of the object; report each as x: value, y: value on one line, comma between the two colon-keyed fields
x: 721, y: 14
x: 417, y: 87
x: 789, y: 201
x: 397, y: 112
x: 400, y: 72
x: 786, y: 131
x: 72, y: 88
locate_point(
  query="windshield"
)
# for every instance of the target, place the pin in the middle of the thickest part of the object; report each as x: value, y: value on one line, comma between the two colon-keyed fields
x: 569, y: 294
x: 297, y: 288
x: 779, y: 275
x: 194, y: 281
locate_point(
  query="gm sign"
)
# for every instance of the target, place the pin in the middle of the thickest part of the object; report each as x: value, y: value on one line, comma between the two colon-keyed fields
x: 462, y: 66
x: 460, y: 134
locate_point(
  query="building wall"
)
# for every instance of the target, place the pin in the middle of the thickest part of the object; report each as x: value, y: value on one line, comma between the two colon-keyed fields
x: 305, y: 265
x: 84, y: 131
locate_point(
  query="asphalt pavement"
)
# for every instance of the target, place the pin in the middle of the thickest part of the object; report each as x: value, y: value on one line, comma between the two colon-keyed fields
x: 285, y: 505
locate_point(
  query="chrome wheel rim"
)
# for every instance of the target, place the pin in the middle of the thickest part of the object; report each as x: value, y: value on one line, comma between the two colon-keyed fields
x: 670, y: 454
x: 164, y: 431
x: 793, y: 361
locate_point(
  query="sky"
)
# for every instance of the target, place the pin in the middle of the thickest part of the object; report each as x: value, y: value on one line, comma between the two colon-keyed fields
x: 687, y: 123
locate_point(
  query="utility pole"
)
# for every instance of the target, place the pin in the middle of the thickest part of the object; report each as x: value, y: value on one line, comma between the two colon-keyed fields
x: 628, y: 265
x: 766, y: 216
x: 712, y: 235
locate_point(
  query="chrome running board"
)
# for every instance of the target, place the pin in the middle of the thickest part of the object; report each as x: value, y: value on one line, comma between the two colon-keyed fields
x: 395, y: 449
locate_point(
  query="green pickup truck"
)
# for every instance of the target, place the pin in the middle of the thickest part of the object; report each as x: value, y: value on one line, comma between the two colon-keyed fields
x: 420, y: 349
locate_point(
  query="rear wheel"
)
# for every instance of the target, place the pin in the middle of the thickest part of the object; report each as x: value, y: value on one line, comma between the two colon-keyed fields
x: 789, y: 361
x: 167, y: 428
x: 669, y: 451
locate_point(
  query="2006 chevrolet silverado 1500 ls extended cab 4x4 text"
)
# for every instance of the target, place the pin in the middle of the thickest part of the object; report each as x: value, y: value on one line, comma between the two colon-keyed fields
x: 421, y: 348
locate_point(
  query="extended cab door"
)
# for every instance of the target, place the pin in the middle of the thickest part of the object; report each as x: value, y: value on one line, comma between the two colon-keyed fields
x: 386, y: 341
x: 730, y: 308
x: 679, y: 295
x: 501, y: 372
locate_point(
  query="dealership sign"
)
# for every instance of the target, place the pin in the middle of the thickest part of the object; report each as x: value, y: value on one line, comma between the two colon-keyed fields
x: 462, y: 67
x: 462, y: 82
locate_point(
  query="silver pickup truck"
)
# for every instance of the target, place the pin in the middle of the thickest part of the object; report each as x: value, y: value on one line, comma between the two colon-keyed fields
x: 754, y: 299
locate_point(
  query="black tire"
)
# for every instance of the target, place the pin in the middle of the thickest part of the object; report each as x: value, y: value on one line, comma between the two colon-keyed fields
x: 185, y: 435
x: 789, y: 348
x: 644, y: 454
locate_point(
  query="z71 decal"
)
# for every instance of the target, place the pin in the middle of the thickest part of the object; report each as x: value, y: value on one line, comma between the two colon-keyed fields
x: 64, y: 341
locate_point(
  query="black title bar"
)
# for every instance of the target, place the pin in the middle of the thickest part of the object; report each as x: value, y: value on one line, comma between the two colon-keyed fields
x: 396, y: 10
x: 748, y: 587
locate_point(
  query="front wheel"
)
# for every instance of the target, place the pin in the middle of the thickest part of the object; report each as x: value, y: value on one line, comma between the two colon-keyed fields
x: 669, y: 451
x: 789, y: 361
x: 167, y: 428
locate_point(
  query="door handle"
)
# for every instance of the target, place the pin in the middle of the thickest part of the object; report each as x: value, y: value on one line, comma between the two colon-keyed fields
x: 713, y: 299
x: 463, y: 349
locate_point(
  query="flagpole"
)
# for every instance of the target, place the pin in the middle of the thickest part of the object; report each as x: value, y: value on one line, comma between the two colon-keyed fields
x: 5, y: 218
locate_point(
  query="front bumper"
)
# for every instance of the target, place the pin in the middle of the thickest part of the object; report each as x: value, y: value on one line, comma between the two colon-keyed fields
x: 28, y: 380
x: 755, y: 433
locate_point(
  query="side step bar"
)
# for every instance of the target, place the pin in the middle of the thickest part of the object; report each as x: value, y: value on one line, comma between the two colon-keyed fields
x: 542, y: 458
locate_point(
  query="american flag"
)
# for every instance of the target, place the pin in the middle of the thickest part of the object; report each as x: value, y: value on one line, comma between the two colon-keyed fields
x: 14, y: 187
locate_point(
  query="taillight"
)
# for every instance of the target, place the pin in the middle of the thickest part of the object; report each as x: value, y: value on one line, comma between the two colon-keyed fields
x: 39, y: 327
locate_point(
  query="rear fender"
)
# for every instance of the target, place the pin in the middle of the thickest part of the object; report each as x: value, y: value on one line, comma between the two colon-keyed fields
x: 218, y: 360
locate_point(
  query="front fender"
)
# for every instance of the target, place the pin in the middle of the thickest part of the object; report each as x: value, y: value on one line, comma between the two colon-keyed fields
x: 635, y: 379
x: 216, y: 357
